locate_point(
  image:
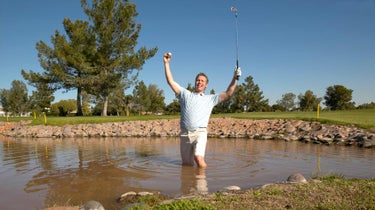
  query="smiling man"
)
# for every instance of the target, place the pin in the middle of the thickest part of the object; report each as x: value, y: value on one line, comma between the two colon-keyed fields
x: 196, y: 109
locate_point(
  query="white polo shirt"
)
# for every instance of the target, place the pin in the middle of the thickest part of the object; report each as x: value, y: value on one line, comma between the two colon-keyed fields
x: 196, y: 109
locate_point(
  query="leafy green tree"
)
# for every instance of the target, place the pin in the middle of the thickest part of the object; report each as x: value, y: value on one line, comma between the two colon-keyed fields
x: 116, y: 34
x: 41, y: 98
x: 86, y: 100
x: 128, y: 104
x: 278, y: 107
x: 367, y: 106
x: 190, y: 87
x: 15, y: 100
x: 141, y: 97
x: 173, y: 107
x: 64, y: 107
x: 308, y: 101
x: 117, y: 101
x: 157, y: 98
x: 338, y: 97
x: 4, y: 99
x: 287, y: 101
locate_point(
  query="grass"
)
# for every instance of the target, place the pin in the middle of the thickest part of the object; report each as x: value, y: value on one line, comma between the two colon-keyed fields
x: 72, y: 120
x: 332, y: 192
x: 363, y: 118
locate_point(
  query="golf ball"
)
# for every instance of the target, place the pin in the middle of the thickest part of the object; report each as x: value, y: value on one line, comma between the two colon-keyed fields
x: 169, y: 54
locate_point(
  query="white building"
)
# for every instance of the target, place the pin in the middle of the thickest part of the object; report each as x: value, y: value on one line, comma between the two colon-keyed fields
x: 2, y: 113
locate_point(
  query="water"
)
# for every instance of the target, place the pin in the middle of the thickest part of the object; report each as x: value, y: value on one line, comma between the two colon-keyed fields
x: 37, y: 173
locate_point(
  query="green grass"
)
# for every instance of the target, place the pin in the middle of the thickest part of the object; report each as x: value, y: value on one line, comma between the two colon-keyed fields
x: 332, y: 192
x: 72, y: 120
x: 364, y: 118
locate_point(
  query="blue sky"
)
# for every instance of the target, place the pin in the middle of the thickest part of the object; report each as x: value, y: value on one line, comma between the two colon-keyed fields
x: 285, y: 45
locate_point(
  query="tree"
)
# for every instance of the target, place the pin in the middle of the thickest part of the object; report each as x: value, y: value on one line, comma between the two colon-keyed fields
x: 64, y: 107
x: 253, y: 99
x: 338, y: 97
x: 116, y: 37
x: 141, y: 97
x: 129, y: 102
x: 4, y: 99
x: 190, y: 87
x: 173, y: 108
x: 308, y: 101
x: 41, y: 98
x: 98, y: 54
x: 15, y: 100
x: 118, y: 101
x: 287, y: 101
x: 69, y: 64
x: 235, y: 103
x: 157, y: 98
x: 278, y: 107
x: 367, y: 106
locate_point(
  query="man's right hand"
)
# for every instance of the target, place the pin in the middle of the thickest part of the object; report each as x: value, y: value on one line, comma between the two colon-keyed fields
x: 167, y: 57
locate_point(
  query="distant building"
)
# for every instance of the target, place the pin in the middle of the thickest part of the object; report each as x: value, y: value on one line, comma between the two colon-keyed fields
x: 2, y: 113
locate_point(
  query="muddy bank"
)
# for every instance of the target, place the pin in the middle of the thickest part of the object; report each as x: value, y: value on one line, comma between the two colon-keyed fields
x: 288, y: 130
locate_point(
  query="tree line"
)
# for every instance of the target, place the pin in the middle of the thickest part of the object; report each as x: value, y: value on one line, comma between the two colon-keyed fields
x: 150, y: 100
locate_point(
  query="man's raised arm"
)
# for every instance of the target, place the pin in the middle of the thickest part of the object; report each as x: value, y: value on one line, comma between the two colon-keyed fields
x: 168, y: 74
x: 232, y: 86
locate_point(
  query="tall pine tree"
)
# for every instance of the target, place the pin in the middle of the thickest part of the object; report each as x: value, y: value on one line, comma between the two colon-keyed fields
x: 97, y: 56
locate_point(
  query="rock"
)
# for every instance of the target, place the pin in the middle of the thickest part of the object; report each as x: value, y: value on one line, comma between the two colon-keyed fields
x: 130, y: 193
x: 368, y: 143
x: 62, y: 208
x: 290, y: 128
x: 297, y: 178
x: 145, y: 193
x: 92, y: 205
x: 325, y: 140
x: 232, y: 188
x: 279, y: 129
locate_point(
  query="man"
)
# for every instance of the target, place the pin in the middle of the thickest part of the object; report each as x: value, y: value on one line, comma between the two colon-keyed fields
x: 196, y: 109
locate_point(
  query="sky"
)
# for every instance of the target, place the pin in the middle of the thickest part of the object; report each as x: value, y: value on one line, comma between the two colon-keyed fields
x: 287, y: 46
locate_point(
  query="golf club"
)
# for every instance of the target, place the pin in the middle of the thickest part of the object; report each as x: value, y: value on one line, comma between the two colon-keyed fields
x: 234, y: 10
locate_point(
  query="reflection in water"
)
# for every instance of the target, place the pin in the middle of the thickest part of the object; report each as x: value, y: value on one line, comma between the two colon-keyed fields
x: 193, y: 180
x: 35, y: 173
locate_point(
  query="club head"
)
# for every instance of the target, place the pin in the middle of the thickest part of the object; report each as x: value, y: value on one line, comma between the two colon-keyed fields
x: 233, y: 9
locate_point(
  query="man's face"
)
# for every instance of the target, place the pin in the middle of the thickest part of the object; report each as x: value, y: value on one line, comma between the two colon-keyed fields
x: 200, y: 84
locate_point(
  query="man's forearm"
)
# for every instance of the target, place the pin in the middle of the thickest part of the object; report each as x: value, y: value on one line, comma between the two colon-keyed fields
x: 168, y: 74
x: 231, y: 87
x: 230, y: 90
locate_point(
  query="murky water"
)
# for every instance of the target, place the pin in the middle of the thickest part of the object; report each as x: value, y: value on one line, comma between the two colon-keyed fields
x: 37, y: 173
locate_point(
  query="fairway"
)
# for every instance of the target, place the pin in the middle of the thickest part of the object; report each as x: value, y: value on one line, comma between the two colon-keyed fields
x: 364, y: 118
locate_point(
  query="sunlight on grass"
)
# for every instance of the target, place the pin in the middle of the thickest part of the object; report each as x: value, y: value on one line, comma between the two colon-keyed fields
x: 364, y: 118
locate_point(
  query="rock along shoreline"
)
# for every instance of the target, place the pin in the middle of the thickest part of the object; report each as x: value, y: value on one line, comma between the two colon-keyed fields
x: 279, y: 129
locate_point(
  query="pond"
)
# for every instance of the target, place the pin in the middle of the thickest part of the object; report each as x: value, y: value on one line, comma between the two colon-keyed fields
x: 37, y: 173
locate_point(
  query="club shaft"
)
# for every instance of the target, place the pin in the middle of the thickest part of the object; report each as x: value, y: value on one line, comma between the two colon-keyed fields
x: 236, y: 39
